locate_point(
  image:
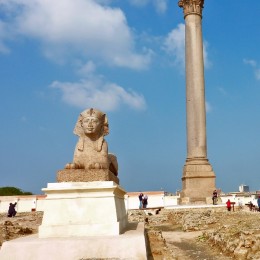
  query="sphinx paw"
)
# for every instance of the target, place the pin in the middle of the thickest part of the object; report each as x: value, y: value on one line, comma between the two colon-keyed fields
x: 72, y: 166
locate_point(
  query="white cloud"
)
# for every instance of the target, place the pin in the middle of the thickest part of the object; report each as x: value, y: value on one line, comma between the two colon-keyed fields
x: 207, y: 62
x: 255, y: 67
x: 79, y: 27
x: 139, y: 2
x: 257, y: 74
x: 160, y: 5
x: 208, y: 107
x: 93, y: 92
x: 87, y: 69
x: 252, y: 63
x: 3, y: 36
x: 174, y: 45
x: 222, y: 91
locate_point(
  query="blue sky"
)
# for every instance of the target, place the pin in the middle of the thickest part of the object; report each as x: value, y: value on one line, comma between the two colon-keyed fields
x: 126, y: 58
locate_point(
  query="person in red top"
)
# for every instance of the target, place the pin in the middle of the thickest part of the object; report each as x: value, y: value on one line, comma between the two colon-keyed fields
x: 228, y: 205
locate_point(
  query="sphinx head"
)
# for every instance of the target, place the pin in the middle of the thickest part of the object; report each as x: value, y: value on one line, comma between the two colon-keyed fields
x: 92, y: 123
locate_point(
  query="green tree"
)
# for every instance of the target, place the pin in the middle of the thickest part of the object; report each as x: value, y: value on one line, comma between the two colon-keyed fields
x: 10, y: 191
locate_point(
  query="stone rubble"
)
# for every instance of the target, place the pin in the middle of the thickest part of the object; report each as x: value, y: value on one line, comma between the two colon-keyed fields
x: 22, y: 224
x: 241, y: 238
x: 235, y: 235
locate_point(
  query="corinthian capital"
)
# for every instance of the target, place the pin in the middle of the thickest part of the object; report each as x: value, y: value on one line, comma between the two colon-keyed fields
x: 191, y: 6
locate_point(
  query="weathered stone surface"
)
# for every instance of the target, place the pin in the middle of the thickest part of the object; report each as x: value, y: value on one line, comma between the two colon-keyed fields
x: 82, y: 175
x: 91, y: 161
x: 198, y: 181
x: 191, y: 6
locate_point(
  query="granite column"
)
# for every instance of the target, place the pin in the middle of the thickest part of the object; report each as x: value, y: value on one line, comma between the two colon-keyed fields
x: 198, y: 181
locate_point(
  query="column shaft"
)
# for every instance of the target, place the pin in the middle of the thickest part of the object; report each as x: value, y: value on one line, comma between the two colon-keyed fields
x: 195, y: 93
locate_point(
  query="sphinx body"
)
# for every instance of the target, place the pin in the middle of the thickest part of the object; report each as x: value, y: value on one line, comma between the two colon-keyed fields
x: 91, y: 153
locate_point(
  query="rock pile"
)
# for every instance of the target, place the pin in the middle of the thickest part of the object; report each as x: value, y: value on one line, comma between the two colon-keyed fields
x: 22, y: 225
x: 11, y: 231
x: 238, y: 236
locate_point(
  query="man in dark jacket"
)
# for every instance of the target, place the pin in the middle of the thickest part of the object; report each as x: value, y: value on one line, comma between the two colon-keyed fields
x: 11, y: 210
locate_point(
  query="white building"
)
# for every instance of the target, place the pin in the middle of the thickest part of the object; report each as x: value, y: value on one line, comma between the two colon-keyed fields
x: 243, y: 188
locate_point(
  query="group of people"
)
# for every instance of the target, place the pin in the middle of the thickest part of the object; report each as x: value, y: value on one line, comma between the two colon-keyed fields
x: 143, y: 201
x: 250, y: 204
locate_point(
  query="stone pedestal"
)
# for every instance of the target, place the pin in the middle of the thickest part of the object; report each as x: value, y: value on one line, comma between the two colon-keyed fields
x: 83, y: 175
x: 198, y: 182
x: 80, y: 209
x: 129, y: 245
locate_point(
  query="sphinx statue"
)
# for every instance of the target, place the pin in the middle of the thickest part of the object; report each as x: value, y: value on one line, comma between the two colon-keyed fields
x: 91, y: 159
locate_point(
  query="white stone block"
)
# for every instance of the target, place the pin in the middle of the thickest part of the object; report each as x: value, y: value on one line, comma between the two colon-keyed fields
x: 76, y: 209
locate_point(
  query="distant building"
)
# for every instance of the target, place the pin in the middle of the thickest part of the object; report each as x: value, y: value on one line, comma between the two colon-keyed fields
x: 243, y: 188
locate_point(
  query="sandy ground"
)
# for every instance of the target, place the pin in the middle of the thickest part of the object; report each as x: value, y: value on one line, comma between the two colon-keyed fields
x: 168, y: 242
x: 166, y: 239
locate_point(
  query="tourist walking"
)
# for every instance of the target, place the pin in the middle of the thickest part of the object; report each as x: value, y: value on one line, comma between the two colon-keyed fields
x: 141, y: 200
x: 11, y: 210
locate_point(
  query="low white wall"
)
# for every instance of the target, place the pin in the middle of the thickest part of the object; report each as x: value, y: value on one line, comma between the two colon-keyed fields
x: 132, y: 202
x: 171, y: 201
x: 154, y: 200
x: 235, y: 198
x: 24, y: 203
x: 30, y: 202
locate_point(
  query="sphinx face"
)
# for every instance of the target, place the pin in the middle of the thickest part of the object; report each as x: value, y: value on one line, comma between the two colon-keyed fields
x: 91, y: 126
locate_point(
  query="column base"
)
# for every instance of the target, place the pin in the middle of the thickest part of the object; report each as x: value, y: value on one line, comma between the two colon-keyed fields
x: 198, y: 181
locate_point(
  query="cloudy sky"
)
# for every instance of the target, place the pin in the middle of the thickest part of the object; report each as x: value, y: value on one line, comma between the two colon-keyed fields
x: 126, y: 58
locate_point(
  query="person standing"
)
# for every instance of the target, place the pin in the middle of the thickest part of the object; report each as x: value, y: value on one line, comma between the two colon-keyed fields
x: 258, y: 203
x: 11, y: 210
x: 215, y: 197
x: 141, y: 200
x: 145, y: 201
x: 228, y: 205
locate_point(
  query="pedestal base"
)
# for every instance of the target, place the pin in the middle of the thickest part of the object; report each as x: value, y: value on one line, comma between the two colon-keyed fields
x: 83, y: 175
x: 79, y: 209
x: 198, y: 182
x: 130, y: 245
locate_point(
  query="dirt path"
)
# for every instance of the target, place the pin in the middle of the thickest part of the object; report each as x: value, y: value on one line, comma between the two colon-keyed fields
x: 186, y: 245
x: 170, y: 242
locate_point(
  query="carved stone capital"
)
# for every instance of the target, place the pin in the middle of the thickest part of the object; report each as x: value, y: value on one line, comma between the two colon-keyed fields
x: 191, y: 7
